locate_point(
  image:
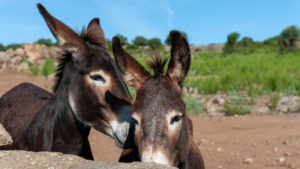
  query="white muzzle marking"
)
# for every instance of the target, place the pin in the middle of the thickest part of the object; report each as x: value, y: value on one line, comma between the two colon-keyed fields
x: 155, y: 157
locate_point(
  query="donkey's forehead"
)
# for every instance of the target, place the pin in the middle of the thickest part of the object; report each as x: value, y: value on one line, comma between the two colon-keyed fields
x: 158, y: 96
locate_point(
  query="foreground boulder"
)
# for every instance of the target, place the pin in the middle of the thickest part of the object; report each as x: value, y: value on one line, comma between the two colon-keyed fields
x: 135, y: 165
x: 52, y: 160
x: 5, y: 138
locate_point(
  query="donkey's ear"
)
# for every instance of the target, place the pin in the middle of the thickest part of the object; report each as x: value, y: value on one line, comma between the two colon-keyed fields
x: 96, y: 33
x: 65, y: 36
x: 134, y: 74
x: 180, y: 58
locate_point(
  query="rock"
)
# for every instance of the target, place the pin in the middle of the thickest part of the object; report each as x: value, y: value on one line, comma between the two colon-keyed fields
x: 55, y: 160
x: 288, y: 104
x: 23, y: 67
x: 5, y: 138
x: 280, y: 159
x: 261, y: 109
x: 215, y: 104
x: 37, y: 160
x: 248, y: 161
x: 134, y: 165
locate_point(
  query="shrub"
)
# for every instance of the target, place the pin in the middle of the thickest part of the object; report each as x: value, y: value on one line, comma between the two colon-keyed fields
x: 154, y: 43
x: 193, y: 105
x: 288, y: 38
x: 34, y: 69
x: 48, y: 67
x: 109, y: 45
x: 231, y: 42
x: 123, y: 39
x: 274, y: 97
x: 237, y: 105
x: 46, y: 42
x: 168, y: 39
x: 12, y: 46
x: 140, y: 41
x: 2, y: 48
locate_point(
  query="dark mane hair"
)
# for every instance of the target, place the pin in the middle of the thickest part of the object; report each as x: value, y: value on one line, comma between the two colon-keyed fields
x: 157, y: 64
x: 66, y: 57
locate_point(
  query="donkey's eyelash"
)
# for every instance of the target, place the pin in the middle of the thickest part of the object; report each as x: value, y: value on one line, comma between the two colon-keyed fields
x: 176, y: 119
x: 135, y: 121
x: 97, y: 77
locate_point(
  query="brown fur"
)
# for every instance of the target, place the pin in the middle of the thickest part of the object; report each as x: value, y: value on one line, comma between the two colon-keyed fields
x: 159, y: 111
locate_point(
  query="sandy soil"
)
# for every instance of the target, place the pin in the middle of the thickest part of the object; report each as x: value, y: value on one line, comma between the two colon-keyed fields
x: 266, y: 142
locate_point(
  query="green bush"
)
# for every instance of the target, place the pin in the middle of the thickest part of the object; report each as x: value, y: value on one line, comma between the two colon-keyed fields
x: 2, y: 48
x: 288, y: 38
x: 12, y: 46
x: 154, y: 43
x: 230, y: 45
x: 193, y: 105
x: 34, y: 69
x: 48, y: 67
x: 140, y: 41
x: 46, y: 42
x: 237, y: 105
x: 273, y: 99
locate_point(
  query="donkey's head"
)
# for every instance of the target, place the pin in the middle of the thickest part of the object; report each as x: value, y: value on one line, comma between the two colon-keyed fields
x: 161, y: 124
x: 89, y: 80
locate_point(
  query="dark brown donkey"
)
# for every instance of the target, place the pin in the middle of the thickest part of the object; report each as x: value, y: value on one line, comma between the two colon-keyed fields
x: 89, y: 92
x: 163, y: 131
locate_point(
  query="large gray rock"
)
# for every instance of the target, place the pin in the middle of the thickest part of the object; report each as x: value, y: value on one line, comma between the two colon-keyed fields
x: 53, y: 160
x: 5, y: 138
x: 288, y: 104
x: 135, y: 165
x: 37, y: 160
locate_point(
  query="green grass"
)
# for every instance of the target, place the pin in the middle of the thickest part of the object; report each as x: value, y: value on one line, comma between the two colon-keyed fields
x: 48, y: 67
x: 35, y: 70
x: 274, y: 97
x: 237, y: 105
x: 266, y: 70
x: 193, y: 105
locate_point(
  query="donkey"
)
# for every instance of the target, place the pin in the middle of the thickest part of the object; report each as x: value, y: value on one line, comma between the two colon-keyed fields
x: 163, y: 131
x: 89, y: 92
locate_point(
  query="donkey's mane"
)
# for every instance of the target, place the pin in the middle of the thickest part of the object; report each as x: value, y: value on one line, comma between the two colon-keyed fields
x: 157, y: 64
x: 66, y: 57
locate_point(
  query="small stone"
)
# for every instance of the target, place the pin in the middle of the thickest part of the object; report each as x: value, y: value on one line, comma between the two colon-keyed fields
x: 248, y: 161
x: 280, y: 159
x: 220, y: 166
x: 275, y: 150
x: 285, y: 142
x: 219, y: 149
x: 287, y: 154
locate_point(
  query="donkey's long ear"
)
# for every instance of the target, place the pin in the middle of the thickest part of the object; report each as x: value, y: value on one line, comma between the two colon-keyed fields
x: 96, y: 34
x: 65, y: 36
x: 134, y: 74
x: 180, y: 58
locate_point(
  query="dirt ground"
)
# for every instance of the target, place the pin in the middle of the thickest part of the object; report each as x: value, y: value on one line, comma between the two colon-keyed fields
x: 244, y: 142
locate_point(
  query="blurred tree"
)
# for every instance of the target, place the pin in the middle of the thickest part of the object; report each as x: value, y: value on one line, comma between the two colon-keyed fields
x: 154, y: 43
x: 168, y: 39
x: 2, y: 48
x: 140, y: 41
x: 246, y: 41
x: 231, y: 42
x: 12, y: 46
x: 123, y: 39
x: 288, y: 38
x: 46, y: 42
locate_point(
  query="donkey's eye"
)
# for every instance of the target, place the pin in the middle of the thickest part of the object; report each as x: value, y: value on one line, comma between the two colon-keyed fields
x: 176, y: 118
x: 135, y: 121
x: 97, y: 77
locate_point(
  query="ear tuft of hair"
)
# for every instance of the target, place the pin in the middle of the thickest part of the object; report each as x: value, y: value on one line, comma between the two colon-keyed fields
x: 157, y: 64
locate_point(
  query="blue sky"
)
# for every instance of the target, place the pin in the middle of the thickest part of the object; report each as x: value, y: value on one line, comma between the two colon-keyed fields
x: 205, y: 21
